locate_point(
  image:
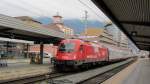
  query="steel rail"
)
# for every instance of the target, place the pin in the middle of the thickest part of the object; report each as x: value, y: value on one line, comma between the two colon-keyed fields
x: 99, y: 78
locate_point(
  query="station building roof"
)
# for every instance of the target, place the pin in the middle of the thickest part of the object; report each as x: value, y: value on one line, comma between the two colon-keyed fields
x: 131, y: 16
x: 13, y: 28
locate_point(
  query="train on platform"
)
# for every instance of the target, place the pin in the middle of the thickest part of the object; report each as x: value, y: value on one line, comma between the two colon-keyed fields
x: 79, y: 53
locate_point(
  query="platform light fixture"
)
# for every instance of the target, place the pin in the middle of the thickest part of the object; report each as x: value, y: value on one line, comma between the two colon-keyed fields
x: 134, y: 33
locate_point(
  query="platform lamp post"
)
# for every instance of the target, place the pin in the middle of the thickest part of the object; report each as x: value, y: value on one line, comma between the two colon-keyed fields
x: 85, y: 21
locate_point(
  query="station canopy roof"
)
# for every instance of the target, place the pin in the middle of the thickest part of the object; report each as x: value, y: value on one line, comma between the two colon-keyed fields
x: 16, y: 29
x: 131, y: 16
x: 15, y: 41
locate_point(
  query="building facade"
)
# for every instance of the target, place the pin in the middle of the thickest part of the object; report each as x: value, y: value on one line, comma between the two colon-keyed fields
x: 59, y: 25
x: 98, y: 34
x: 118, y: 36
x: 12, y: 50
x: 48, y: 48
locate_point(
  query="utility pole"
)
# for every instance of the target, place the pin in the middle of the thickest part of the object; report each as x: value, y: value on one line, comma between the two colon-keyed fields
x: 85, y: 24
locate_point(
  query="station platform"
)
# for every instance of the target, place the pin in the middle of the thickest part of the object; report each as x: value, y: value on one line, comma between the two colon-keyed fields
x: 21, y: 68
x: 136, y: 73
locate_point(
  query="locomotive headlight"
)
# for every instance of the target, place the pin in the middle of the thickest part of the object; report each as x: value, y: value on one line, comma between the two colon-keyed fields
x: 74, y: 56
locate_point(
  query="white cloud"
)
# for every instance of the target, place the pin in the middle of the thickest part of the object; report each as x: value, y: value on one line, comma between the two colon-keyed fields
x: 37, y: 8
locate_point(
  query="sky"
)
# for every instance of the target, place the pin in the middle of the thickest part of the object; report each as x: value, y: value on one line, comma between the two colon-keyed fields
x: 48, y: 8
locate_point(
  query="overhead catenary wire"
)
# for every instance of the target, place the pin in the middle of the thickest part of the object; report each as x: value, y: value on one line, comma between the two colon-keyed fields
x: 23, y: 8
x: 103, y: 18
x: 42, y: 12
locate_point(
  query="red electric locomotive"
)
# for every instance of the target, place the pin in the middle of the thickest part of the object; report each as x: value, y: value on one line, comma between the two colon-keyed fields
x: 75, y: 52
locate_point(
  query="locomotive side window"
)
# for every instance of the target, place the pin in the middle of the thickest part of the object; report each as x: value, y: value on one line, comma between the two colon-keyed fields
x: 67, y: 47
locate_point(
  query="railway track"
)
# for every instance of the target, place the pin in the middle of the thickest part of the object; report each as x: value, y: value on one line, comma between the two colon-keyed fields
x: 54, y: 75
x: 34, y: 78
x: 98, y: 79
x: 94, y: 76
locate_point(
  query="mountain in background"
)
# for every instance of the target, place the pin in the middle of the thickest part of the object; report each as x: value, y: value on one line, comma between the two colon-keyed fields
x: 76, y: 24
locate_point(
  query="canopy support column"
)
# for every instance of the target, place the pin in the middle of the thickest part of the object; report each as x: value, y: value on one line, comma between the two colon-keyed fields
x: 41, y: 52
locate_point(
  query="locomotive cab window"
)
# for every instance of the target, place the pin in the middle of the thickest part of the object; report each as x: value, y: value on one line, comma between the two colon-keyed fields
x: 67, y: 47
x: 81, y: 48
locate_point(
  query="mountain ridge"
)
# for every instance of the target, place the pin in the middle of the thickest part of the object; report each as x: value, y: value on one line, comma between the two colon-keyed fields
x: 76, y: 24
